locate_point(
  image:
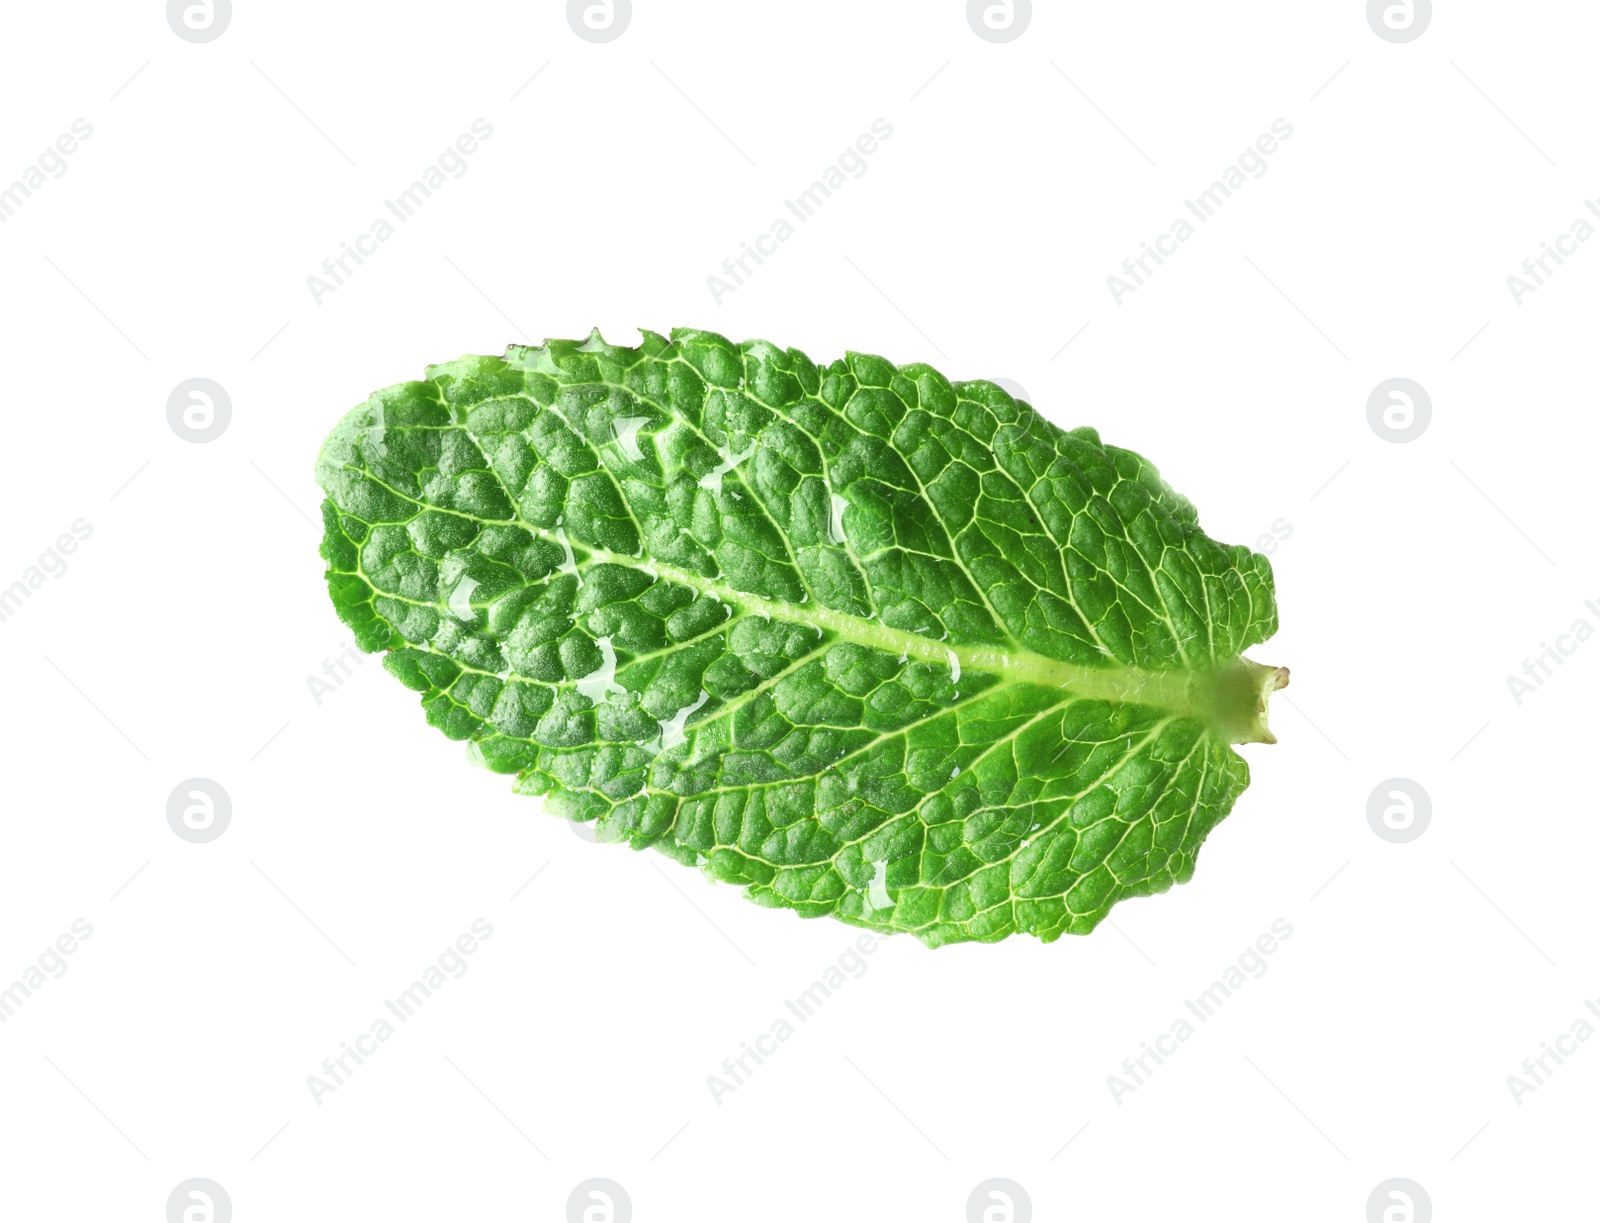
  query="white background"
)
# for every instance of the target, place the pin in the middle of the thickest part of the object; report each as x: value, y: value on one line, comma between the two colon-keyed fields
x: 178, y: 643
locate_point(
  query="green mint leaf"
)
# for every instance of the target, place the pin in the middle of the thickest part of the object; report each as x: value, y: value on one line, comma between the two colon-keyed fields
x: 875, y: 645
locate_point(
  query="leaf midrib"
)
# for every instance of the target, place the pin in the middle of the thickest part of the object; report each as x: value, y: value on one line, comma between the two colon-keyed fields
x: 1167, y: 690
